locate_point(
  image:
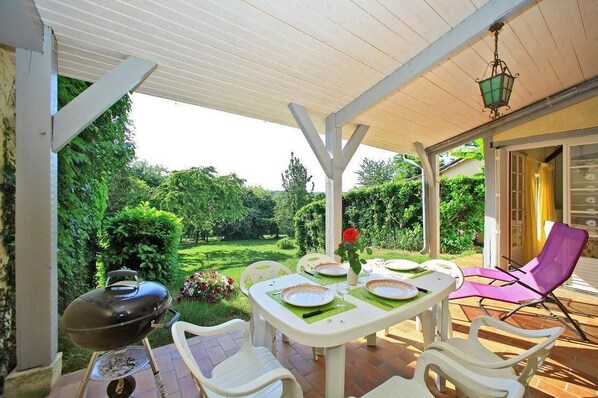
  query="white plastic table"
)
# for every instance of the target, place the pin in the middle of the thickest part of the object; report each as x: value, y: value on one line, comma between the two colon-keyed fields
x: 361, y: 321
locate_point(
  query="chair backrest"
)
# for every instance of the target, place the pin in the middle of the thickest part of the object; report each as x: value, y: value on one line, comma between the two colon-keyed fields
x: 466, y: 380
x: 557, y: 260
x: 446, y: 267
x: 261, y: 271
x: 310, y: 260
x: 533, y: 357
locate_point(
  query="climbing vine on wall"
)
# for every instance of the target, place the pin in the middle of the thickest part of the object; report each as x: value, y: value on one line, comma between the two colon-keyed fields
x: 7, y: 237
x: 85, y: 167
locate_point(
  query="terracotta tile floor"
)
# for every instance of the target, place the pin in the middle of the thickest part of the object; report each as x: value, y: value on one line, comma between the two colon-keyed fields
x: 570, y: 371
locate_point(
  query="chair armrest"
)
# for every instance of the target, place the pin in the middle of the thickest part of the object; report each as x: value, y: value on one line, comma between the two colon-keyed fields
x: 256, y: 384
x: 230, y: 326
x: 511, y: 262
x: 508, y: 273
x: 551, y: 334
x: 463, y: 357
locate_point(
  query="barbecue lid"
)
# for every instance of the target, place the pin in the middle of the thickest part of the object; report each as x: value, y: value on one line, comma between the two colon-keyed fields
x: 115, y: 305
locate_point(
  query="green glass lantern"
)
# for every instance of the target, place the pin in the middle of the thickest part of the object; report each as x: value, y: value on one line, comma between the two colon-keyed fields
x: 496, y: 90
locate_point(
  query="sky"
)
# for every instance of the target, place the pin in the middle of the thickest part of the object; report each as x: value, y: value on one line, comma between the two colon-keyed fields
x: 180, y: 136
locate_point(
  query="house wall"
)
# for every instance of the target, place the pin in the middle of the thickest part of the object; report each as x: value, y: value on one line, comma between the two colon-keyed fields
x: 576, y: 124
x: 579, y: 116
x: 468, y: 167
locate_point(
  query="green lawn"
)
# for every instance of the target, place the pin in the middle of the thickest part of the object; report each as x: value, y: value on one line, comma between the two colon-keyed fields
x: 229, y: 258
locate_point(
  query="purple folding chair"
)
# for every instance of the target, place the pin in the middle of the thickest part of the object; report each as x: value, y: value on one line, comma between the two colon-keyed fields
x: 555, y: 265
x: 515, y: 271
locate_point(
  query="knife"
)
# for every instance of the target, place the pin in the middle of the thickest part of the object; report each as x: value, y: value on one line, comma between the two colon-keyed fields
x: 376, y: 300
x: 317, y: 312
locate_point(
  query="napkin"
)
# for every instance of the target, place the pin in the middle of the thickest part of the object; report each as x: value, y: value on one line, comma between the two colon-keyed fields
x: 299, y: 311
x: 377, y: 301
x: 411, y: 274
x: 323, y: 279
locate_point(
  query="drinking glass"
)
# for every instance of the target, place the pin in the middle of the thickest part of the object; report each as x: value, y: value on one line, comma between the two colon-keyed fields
x: 342, y: 289
x: 367, y: 269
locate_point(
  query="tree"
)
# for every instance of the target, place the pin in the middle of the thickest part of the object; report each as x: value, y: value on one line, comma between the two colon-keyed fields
x: 373, y: 172
x: 295, y: 182
x: 124, y: 190
x: 259, y: 219
x: 404, y: 169
x: 471, y: 150
x: 201, y: 198
x: 153, y: 175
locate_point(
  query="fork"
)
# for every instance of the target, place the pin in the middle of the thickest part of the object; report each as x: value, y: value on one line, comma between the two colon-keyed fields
x: 375, y: 299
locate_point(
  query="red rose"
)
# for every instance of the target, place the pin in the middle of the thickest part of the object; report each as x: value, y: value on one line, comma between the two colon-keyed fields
x: 350, y: 235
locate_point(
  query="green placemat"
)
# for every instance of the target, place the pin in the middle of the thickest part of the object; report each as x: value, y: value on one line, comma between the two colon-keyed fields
x: 411, y: 274
x: 324, y: 279
x: 362, y: 294
x: 299, y: 311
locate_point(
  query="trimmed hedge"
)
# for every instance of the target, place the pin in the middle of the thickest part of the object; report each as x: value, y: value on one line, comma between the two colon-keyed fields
x: 389, y: 216
x: 143, y: 239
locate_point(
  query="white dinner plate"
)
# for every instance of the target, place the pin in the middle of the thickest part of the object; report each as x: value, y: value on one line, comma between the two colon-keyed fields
x: 391, y: 289
x: 401, y: 265
x: 332, y: 269
x: 306, y: 295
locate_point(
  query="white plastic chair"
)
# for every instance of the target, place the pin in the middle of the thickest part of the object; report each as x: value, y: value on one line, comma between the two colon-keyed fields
x: 428, y: 316
x: 252, y: 274
x: 466, y: 380
x: 310, y: 260
x: 474, y: 355
x: 449, y: 268
x: 250, y: 372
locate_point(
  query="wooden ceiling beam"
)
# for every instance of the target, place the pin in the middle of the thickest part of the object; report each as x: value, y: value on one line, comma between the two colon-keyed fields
x: 467, y: 32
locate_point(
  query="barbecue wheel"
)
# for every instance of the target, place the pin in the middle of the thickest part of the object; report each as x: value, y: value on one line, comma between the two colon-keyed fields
x: 121, y: 388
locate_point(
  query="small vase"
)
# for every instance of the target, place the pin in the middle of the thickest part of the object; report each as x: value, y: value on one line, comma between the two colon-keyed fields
x: 351, y: 277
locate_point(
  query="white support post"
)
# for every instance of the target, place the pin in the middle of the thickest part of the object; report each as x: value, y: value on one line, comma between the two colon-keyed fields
x: 334, y: 186
x: 434, y: 209
x: 490, y: 251
x: 503, y: 215
x: 36, y: 207
x: 353, y: 143
x: 312, y: 137
x: 83, y: 110
x: 432, y: 198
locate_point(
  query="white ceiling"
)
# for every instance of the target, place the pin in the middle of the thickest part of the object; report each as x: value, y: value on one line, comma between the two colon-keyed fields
x: 254, y: 57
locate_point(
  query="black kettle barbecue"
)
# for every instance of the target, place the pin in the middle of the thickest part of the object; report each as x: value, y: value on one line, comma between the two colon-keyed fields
x: 112, y: 318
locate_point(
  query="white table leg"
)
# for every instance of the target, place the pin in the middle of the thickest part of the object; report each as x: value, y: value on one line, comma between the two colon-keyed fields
x: 443, y: 329
x: 371, y: 340
x: 335, y: 372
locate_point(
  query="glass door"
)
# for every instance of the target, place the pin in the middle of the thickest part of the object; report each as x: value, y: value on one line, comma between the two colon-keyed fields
x: 583, y: 193
x: 516, y: 206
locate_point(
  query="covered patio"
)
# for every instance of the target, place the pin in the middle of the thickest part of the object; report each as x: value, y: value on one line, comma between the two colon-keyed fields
x: 394, y: 75
x: 568, y: 372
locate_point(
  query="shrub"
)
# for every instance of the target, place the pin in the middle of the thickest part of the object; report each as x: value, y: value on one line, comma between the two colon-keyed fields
x: 209, y: 286
x: 286, y: 244
x: 389, y: 216
x: 143, y: 239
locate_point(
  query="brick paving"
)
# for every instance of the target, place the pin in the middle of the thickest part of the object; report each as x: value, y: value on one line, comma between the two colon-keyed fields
x: 570, y: 371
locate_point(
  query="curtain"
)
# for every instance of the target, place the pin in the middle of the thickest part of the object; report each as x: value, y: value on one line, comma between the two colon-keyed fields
x: 545, y: 200
x: 530, y: 238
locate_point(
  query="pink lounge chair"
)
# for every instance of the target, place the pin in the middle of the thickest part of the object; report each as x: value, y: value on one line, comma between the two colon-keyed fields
x: 516, y: 270
x: 555, y: 264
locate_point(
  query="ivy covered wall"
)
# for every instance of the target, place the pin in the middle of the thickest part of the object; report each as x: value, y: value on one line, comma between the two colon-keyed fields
x: 7, y: 215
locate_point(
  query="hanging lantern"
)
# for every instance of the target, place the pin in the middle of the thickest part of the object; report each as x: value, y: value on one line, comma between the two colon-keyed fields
x: 496, y: 90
